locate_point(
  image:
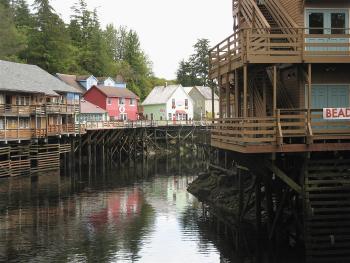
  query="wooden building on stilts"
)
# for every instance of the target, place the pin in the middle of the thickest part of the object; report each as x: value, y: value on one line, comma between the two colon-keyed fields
x: 37, y: 119
x: 284, y: 85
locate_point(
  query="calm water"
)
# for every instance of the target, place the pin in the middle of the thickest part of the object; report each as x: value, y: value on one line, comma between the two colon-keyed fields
x: 137, y: 213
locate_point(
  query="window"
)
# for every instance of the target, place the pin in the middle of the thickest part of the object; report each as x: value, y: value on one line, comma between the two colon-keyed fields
x: 109, y: 101
x: 22, y: 100
x: 2, y: 124
x: 11, y: 123
x: 132, y: 102
x: 121, y: 101
x: 169, y: 116
x: 173, y: 106
x: 338, y: 23
x: 186, y: 103
x: 23, y: 123
x: 316, y: 22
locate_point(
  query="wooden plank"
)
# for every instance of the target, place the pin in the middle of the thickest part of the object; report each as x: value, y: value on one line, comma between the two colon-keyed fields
x: 285, y: 178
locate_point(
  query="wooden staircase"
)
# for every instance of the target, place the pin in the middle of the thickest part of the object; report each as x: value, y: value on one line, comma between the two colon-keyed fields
x: 270, y: 19
x: 283, y: 99
x: 327, y: 211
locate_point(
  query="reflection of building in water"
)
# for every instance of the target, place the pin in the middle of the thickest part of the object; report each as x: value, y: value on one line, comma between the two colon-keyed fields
x: 52, y: 214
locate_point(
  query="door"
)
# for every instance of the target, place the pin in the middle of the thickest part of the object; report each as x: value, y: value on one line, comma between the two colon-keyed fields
x: 329, y: 96
x: 325, y: 25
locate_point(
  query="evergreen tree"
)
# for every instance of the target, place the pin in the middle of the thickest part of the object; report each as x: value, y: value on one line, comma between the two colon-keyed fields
x: 11, y: 40
x: 49, y: 43
x: 195, y: 71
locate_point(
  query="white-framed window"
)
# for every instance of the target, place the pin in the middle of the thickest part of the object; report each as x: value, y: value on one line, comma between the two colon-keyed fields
x: 2, y: 124
x: 23, y: 100
x: 109, y: 101
x: 132, y: 102
x: 23, y: 123
x: 123, y: 116
x: 186, y: 104
x: 121, y: 101
x: 169, y: 116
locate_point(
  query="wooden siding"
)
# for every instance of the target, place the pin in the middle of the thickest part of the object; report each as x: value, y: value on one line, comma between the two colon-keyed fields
x: 295, y: 10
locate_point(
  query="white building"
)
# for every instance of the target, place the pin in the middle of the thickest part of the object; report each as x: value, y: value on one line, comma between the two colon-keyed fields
x: 168, y: 103
x: 202, y: 102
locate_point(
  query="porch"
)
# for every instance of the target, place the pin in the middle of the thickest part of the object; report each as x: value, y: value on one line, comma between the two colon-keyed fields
x: 288, y: 45
x: 295, y: 130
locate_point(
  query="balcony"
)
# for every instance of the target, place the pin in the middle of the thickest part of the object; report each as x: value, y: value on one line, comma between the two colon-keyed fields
x: 15, y: 110
x: 59, y: 129
x: 264, y: 46
x: 290, y: 131
x: 62, y: 109
x: 26, y: 110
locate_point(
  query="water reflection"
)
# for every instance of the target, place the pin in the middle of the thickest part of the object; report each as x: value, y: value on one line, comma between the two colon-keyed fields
x: 139, y: 212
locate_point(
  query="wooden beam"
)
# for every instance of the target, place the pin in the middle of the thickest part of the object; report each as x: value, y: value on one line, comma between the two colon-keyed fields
x: 245, y: 91
x: 309, y: 92
x: 237, y: 97
x: 285, y: 178
x: 228, y: 97
x: 274, y: 90
x: 212, y: 103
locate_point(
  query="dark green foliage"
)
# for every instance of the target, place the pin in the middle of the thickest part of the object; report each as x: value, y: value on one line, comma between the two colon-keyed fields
x: 195, y: 71
x: 12, y: 41
x: 81, y: 47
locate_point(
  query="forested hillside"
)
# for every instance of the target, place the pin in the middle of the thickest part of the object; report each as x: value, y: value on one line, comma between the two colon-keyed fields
x: 38, y: 35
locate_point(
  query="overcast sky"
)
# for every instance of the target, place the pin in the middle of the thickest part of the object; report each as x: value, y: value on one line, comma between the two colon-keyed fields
x: 167, y: 28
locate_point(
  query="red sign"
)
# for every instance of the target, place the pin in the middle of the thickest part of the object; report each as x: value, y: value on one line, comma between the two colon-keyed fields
x: 336, y: 113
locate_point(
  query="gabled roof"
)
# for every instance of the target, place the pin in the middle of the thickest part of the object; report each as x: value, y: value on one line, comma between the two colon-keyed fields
x: 206, y: 92
x: 84, y: 77
x: 160, y: 94
x: 102, y: 79
x: 31, y: 79
x: 71, y: 80
x: 88, y: 107
x: 113, y: 92
x: 188, y: 89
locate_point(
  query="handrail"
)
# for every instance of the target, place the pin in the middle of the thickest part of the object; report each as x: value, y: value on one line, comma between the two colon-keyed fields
x: 252, y: 14
x: 263, y: 44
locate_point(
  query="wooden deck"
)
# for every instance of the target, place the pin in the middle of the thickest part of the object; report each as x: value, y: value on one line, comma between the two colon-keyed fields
x: 264, y: 46
x: 30, y: 133
x: 26, y: 110
x: 289, y: 131
x: 108, y: 125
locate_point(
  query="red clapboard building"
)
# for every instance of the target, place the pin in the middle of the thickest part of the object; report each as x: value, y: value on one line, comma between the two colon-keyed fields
x: 121, y: 104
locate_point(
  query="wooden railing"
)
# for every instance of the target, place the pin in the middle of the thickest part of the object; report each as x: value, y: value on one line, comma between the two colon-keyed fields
x: 65, y: 108
x: 242, y: 131
x: 281, y: 16
x: 252, y: 14
x: 289, y: 124
x: 262, y: 45
x: 9, y: 109
x: 13, y: 134
x: 97, y: 125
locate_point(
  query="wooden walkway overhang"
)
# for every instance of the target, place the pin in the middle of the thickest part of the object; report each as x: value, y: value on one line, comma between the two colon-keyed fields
x: 289, y: 131
x: 264, y: 46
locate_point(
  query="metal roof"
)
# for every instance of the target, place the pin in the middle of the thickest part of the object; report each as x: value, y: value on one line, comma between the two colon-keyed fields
x: 30, y: 79
x: 114, y: 92
x: 71, y: 80
x: 206, y: 92
x: 88, y: 107
x: 160, y: 95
